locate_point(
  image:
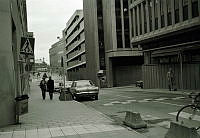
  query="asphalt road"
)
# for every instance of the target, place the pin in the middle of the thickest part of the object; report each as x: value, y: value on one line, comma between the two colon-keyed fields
x: 157, y: 109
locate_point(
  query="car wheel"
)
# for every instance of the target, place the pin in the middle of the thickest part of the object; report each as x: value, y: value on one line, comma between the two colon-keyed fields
x: 96, y: 97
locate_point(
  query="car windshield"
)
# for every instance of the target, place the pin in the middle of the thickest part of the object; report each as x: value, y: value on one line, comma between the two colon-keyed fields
x: 84, y: 83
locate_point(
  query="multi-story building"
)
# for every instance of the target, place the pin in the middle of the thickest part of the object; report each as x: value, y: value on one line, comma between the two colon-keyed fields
x: 56, y: 53
x: 169, y: 33
x: 75, y: 57
x: 108, y: 43
x: 13, y: 80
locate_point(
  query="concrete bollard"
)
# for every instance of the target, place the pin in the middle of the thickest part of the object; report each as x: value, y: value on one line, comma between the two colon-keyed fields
x: 178, y: 130
x: 134, y: 120
x: 65, y: 96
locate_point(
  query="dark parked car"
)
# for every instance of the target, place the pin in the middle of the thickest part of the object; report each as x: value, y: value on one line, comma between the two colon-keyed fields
x: 84, y: 88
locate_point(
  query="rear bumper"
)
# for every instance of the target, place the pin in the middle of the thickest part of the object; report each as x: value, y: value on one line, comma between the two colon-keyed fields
x: 86, y: 94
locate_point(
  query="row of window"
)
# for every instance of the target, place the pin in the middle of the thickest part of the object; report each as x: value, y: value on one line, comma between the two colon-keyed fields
x: 77, y: 68
x: 77, y: 60
x: 119, y: 15
x: 175, y: 59
x: 76, y: 39
x: 76, y: 29
x: 76, y: 18
x: 77, y: 49
x: 154, y: 7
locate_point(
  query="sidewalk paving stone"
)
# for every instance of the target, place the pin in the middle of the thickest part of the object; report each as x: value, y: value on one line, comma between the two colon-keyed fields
x: 63, y: 119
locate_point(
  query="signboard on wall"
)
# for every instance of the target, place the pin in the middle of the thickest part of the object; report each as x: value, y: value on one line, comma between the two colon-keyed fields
x: 27, y: 45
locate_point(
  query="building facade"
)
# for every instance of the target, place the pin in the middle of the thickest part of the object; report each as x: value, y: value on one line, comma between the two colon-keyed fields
x: 56, y: 54
x: 13, y: 26
x: 168, y: 32
x: 74, y: 55
x: 108, y: 43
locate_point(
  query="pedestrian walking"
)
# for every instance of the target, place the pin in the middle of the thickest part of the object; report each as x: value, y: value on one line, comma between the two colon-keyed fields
x: 43, y: 86
x: 38, y: 75
x: 45, y: 75
x: 50, y: 87
x: 170, y: 79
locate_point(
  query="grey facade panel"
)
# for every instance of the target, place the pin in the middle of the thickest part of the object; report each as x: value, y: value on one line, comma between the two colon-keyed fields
x: 13, y: 26
x: 91, y: 40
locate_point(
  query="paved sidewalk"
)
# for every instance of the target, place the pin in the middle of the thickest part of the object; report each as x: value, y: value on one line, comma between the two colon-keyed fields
x: 134, y: 88
x: 63, y: 119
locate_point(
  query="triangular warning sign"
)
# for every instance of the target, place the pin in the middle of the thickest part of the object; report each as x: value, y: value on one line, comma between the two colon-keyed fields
x: 26, y: 48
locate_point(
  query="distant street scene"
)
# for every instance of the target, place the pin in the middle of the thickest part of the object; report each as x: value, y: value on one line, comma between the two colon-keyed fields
x: 100, y: 69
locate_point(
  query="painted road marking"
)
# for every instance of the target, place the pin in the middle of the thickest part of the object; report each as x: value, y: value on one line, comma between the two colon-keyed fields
x: 169, y: 103
x: 165, y: 124
x: 123, y: 96
x: 177, y: 98
x: 149, y: 117
x: 186, y: 115
x: 161, y: 99
x: 55, y: 132
x: 158, y: 100
x: 131, y: 100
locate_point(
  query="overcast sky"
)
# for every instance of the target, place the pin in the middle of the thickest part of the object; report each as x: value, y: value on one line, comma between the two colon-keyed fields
x: 47, y: 19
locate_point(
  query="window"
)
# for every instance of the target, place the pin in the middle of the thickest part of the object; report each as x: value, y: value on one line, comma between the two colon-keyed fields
x: 140, y: 19
x: 169, y: 14
x: 176, y: 5
x: 195, y: 11
x: 145, y: 18
x: 118, y: 23
x: 162, y: 13
x: 185, y: 10
x: 136, y: 31
x: 150, y: 14
x: 156, y: 14
x: 79, y: 58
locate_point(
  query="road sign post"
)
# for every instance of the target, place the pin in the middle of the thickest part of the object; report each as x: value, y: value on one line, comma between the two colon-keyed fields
x: 25, y: 56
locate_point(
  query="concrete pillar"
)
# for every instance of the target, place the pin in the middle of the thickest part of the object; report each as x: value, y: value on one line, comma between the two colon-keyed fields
x: 153, y: 15
x: 181, y: 10
x: 147, y: 16
x: 199, y: 7
x: 134, y: 22
x: 165, y: 12
x: 113, y: 24
x: 138, y: 19
x: 130, y: 20
x: 173, y: 12
x: 159, y: 15
x: 109, y: 72
x: 7, y: 72
x: 122, y: 20
x: 189, y: 9
x: 142, y: 16
x: 147, y: 58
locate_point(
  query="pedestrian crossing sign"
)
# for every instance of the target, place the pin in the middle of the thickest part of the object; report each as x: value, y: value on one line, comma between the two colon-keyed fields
x: 27, y: 45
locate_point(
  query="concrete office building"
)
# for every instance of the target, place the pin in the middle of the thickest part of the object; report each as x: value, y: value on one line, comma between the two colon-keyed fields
x: 74, y: 37
x: 169, y: 33
x: 13, y: 26
x: 56, y: 53
x: 108, y: 43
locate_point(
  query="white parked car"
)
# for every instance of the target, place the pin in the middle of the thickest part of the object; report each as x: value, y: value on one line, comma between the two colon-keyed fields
x: 59, y: 84
x: 84, y: 88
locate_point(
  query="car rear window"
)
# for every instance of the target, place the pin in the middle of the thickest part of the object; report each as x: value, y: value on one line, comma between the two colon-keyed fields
x: 84, y: 83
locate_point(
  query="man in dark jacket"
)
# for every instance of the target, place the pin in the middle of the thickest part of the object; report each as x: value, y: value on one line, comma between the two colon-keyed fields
x: 43, y: 86
x: 50, y: 87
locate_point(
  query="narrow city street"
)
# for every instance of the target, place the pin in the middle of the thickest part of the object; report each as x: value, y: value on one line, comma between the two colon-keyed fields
x: 157, y: 108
